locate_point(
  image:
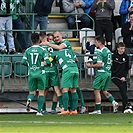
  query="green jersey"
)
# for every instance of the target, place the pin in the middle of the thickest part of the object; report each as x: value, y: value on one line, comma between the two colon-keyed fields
x: 65, y: 57
x: 50, y: 50
x: 34, y: 58
x: 96, y: 51
x: 105, y: 57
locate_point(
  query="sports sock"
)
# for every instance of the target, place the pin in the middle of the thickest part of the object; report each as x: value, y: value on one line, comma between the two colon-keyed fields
x: 111, y: 99
x: 60, y: 101
x: 30, y: 96
x: 40, y: 102
x: 65, y: 99
x: 70, y: 100
x: 44, y: 106
x: 54, y: 105
x: 80, y: 95
x: 98, y: 106
x: 74, y: 100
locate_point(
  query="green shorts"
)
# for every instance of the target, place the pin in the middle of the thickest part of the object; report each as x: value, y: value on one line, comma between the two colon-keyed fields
x: 102, y: 81
x: 70, y: 77
x: 52, y: 79
x: 37, y: 82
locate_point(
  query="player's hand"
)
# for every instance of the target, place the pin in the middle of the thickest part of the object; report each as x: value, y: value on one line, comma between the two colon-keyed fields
x: 45, y: 64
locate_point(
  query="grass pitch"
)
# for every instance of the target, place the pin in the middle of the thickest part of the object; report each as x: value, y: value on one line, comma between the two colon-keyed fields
x: 30, y: 123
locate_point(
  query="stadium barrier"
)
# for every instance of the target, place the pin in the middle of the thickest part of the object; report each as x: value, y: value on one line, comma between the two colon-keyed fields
x: 13, y: 75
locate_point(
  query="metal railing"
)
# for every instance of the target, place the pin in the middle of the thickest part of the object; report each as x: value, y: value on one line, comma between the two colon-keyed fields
x: 13, y: 75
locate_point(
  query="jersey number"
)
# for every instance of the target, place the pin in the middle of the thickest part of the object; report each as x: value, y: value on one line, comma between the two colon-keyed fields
x: 67, y: 54
x: 34, y: 57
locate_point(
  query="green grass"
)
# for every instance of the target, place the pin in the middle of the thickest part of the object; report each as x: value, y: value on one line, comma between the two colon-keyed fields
x: 30, y: 123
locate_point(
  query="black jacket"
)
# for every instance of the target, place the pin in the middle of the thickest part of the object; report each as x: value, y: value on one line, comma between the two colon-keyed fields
x: 120, y: 65
x: 43, y: 7
x: 126, y: 33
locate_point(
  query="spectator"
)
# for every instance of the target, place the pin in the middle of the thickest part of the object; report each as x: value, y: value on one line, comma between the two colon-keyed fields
x: 75, y: 6
x: 103, y: 24
x: 127, y: 34
x: 103, y: 76
x: 120, y: 68
x: 18, y: 25
x: 91, y: 49
x: 6, y: 11
x: 125, y: 8
x: 42, y: 8
x: 87, y: 9
x: 116, y: 17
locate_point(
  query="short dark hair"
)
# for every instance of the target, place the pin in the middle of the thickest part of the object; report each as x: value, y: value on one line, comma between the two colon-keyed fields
x: 100, y: 39
x: 50, y: 34
x: 130, y: 13
x: 120, y: 44
x: 42, y: 34
x: 35, y: 38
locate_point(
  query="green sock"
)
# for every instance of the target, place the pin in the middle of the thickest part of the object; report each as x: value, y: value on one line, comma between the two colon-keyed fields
x: 98, y: 106
x: 30, y: 96
x: 54, y: 105
x: 70, y: 100
x: 60, y: 101
x: 44, y: 107
x: 80, y: 95
x: 74, y: 100
x: 40, y: 102
x: 65, y: 99
x: 111, y: 98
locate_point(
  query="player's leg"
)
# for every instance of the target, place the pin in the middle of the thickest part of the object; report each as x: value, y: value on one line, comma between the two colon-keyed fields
x: 54, y: 103
x: 111, y: 99
x: 41, y: 83
x: 97, y: 85
x: 74, y: 100
x: 32, y: 91
x: 59, y: 95
x: 40, y: 101
x: 107, y: 79
x: 74, y: 95
x: 44, y: 104
x: 80, y: 95
x: 29, y: 99
x: 97, y: 102
x: 65, y: 99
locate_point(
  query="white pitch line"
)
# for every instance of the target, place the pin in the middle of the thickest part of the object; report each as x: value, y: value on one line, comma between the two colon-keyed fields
x: 70, y: 123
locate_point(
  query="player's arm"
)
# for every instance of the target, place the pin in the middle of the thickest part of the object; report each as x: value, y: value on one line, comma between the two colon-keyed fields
x: 24, y: 60
x: 59, y: 47
x: 48, y: 61
x: 97, y: 65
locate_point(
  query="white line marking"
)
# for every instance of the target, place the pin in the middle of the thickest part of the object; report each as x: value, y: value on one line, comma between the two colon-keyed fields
x: 78, y: 123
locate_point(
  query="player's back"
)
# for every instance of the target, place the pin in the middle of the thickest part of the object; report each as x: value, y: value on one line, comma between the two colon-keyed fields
x: 65, y: 58
x: 35, y: 57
